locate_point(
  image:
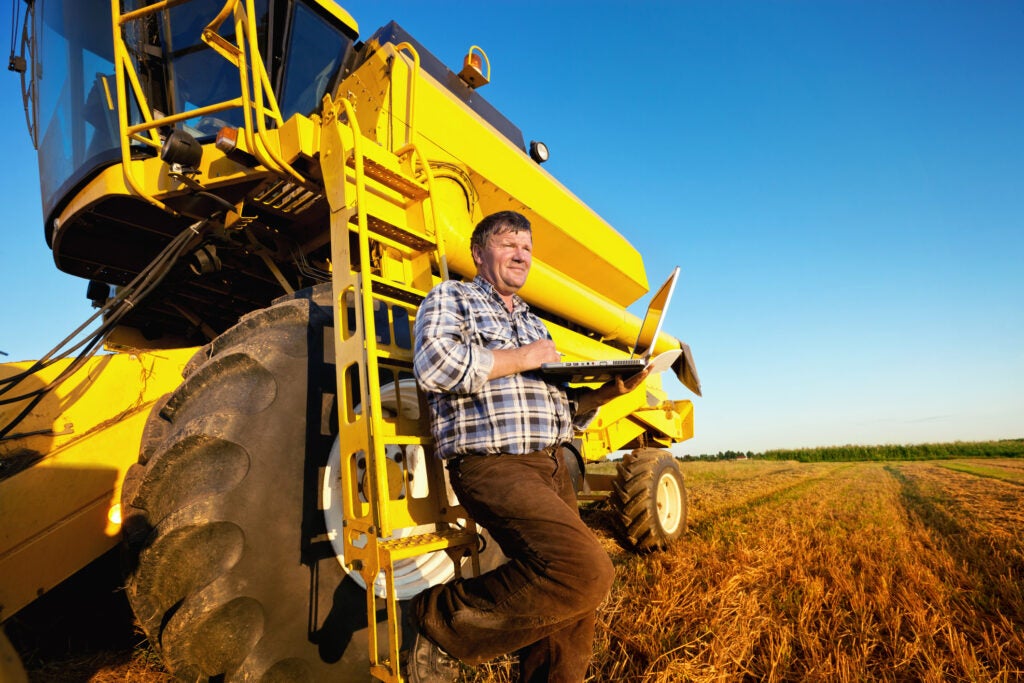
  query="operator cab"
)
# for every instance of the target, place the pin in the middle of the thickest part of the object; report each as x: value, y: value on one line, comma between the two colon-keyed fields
x: 70, y: 97
x: 180, y: 79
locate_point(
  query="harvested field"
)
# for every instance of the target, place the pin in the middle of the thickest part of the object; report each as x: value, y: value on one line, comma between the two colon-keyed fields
x: 908, y: 571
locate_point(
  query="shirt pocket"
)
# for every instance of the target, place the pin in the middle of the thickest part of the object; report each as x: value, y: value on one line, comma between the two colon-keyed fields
x: 492, y: 334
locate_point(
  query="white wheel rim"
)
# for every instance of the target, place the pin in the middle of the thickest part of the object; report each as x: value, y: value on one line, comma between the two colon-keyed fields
x: 669, y: 499
x: 411, y: 576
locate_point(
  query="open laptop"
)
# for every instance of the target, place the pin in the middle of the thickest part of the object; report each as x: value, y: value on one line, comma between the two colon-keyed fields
x: 643, y: 348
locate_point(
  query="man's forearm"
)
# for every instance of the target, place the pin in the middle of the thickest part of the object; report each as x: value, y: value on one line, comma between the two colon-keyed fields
x: 508, y: 362
x: 527, y: 357
x: 594, y: 399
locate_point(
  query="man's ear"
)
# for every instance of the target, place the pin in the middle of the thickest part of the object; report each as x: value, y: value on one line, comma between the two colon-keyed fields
x: 475, y: 251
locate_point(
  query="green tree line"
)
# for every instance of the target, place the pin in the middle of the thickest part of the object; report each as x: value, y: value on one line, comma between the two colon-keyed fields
x: 1006, y: 448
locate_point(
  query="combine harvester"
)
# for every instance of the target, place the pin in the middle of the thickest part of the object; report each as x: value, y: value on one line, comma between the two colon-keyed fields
x: 259, y: 200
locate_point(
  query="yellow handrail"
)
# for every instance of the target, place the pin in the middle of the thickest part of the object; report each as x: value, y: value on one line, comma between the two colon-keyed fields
x: 122, y: 66
x: 412, y: 150
x: 410, y: 104
x: 442, y: 259
x: 376, y: 461
x: 261, y: 80
x: 238, y: 56
x: 370, y: 565
x: 215, y: 40
x: 257, y: 104
x: 185, y: 115
x: 149, y: 9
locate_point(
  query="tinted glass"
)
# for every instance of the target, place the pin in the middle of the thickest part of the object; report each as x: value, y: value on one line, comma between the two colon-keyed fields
x: 313, y: 57
x: 73, y: 76
x: 198, y: 75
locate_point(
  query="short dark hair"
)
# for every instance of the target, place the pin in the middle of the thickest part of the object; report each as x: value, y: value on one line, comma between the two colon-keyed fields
x: 496, y: 224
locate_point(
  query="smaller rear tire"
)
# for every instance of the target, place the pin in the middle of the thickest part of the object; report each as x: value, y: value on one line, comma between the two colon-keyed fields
x: 650, y: 499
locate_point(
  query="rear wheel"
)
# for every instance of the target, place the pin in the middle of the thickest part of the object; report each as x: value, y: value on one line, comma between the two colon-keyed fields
x: 231, y: 573
x: 650, y: 498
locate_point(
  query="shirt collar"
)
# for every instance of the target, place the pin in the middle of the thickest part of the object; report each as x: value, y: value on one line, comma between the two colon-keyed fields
x: 518, y: 304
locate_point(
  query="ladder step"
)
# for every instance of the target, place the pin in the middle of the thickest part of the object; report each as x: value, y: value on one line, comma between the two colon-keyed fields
x: 421, y: 544
x: 403, y: 236
x: 396, y: 358
x: 408, y: 440
x: 396, y: 291
x: 384, y: 671
x: 388, y: 173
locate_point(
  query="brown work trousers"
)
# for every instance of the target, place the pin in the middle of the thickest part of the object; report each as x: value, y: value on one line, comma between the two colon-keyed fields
x: 542, y: 604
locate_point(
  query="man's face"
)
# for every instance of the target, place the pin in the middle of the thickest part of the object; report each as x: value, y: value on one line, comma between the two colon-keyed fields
x: 505, y: 260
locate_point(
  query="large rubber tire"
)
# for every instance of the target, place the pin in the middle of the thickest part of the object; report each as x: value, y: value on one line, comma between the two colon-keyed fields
x: 11, y: 668
x: 650, y: 498
x: 230, y: 571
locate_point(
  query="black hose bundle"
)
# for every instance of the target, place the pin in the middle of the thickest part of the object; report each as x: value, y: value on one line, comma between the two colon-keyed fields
x: 112, y: 313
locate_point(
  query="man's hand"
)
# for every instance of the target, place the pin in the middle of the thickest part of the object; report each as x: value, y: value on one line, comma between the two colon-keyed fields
x: 624, y: 386
x: 527, y: 357
x: 611, y: 389
x: 534, y: 354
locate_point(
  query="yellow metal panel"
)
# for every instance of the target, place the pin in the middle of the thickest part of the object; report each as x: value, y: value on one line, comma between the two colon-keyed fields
x: 583, y: 269
x: 505, y: 175
x: 42, y: 562
x: 644, y: 411
x: 67, y: 459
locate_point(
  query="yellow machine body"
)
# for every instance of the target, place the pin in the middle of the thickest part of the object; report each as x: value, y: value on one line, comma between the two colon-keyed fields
x: 377, y: 191
x: 62, y: 470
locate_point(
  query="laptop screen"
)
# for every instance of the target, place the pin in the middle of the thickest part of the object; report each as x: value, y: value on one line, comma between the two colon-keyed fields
x: 650, y: 328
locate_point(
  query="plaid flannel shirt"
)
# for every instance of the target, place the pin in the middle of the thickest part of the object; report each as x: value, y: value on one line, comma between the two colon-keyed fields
x: 457, y: 327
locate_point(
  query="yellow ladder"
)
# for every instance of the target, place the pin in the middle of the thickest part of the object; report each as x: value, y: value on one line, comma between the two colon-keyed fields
x: 384, y: 254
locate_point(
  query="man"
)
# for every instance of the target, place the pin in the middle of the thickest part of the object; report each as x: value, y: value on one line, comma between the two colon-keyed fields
x: 498, y: 424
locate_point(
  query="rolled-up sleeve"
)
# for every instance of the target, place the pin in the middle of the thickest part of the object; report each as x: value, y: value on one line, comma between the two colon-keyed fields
x: 445, y: 359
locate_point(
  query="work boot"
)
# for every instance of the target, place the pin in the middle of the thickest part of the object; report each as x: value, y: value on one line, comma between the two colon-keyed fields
x: 425, y: 661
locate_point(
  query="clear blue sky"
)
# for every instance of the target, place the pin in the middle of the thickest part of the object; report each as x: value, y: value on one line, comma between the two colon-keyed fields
x: 842, y: 184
